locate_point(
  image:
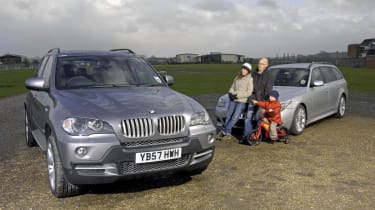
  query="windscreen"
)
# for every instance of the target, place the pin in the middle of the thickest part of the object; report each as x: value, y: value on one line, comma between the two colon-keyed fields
x: 295, y: 77
x: 104, y: 71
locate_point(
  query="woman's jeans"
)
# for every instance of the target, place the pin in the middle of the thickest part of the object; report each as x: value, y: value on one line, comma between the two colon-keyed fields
x: 234, y: 112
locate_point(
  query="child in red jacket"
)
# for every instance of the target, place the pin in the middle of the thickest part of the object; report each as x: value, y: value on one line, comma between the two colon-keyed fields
x: 272, y: 113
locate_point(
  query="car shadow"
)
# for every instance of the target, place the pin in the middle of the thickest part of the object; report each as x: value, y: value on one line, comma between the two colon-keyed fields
x: 138, y: 185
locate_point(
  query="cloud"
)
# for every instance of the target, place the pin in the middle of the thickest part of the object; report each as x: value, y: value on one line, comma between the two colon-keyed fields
x: 164, y: 28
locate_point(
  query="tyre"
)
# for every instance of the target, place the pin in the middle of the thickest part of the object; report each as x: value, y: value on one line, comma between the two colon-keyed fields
x: 299, y: 120
x: 60, y: 187
x: 283, y: 135
x: 198, y: 171
x: 341, y: 107
x: 30, y: 141
x: 254, y: 138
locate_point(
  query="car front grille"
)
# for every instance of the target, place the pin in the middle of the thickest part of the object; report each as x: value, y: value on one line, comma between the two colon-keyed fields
x: 133, y: 168
x: 138, y: 128
x: 144, y: 127
x: 170, y: 125
x: 157, y: 142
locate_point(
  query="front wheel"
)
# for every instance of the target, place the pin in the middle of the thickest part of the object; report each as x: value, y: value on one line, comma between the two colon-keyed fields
x: 60, y: 187
x: 254, y: 138
x: 299, y: 120
x: 341, y: 107
x: 198, y: 171
x: 30, y: 141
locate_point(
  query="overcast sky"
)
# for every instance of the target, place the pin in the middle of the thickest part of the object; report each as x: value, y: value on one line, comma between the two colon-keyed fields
x: 253, y: 28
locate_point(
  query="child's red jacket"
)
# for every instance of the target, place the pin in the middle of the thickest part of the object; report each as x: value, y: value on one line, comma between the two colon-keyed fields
x: 273, y: 110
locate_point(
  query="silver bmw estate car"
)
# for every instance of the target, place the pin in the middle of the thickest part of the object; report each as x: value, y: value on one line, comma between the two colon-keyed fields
x: 308, y: 92
x: 105, y: 115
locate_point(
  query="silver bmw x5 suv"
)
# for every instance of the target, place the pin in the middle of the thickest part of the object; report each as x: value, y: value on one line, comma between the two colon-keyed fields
x: 105, y: 115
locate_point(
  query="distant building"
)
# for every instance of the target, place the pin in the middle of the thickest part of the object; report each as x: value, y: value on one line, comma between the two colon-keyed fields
x: 353, y: 50
x: 217, y: 57
x: 188, y: 58
x: 11, y: 59
x: 155, y: 60
x: 367, y: 48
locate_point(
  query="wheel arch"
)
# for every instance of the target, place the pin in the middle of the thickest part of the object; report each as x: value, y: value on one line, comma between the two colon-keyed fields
x: 306, y: 111
x: 292, y: 129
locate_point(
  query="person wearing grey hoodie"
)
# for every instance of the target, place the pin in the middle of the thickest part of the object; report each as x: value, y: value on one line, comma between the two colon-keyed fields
x: 240, y: 90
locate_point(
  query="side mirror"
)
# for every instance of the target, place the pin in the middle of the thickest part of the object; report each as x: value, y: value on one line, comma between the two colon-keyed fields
x: 35, y: 83
x: 318, y: 83
x: 169, y: 79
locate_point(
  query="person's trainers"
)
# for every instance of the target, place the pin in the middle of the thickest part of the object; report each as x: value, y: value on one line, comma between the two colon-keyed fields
x: 242, y: 140
x: 227, y: 137
x: 219, y: 136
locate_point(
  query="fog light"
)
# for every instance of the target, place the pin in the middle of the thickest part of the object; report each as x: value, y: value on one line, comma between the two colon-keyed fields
x: 81, y: 151
x: 210, y: 138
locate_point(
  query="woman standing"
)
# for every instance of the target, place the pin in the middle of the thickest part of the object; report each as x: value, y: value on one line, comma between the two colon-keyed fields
x: 240, y: 90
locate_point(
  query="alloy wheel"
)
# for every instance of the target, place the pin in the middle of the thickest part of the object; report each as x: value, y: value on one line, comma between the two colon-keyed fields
x: 51, y: 166
x: 342, y: 106
x: 300, y: 119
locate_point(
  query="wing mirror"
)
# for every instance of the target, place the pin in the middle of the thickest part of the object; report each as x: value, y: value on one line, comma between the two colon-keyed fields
x: 169, y: 80
x: 318, y: 83
x: 35, y: 83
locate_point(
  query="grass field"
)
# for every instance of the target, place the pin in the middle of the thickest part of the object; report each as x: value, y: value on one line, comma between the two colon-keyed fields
x: 12, y: 82
x: 195, y: 79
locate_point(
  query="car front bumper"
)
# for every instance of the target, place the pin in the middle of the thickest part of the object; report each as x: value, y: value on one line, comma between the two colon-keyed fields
x: 107, y: 160
x: 119, y: 163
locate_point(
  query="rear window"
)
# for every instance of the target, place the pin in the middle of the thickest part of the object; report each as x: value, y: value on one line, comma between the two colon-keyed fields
x: 295, y: 77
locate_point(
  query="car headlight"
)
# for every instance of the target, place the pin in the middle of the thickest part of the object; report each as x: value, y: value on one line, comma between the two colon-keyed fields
x: 85, y: 126
x: 200, y: 118
x: 285, y: 104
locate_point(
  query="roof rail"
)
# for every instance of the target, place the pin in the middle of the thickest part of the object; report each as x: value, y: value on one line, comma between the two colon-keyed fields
x: 319, y: 62
x: 127, y: 50
x: 54, y: 49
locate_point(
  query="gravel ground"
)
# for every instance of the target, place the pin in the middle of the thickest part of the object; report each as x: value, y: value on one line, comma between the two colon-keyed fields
x: 330, y: 166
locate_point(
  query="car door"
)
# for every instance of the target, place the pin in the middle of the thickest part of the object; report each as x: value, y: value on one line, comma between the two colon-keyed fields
x: 34, y: 95
x: 333, y: 86
x: 42, y: 98
x: 318, y: 95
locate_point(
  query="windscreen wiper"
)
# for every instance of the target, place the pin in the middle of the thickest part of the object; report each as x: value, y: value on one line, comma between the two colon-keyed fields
x: 110, y: 85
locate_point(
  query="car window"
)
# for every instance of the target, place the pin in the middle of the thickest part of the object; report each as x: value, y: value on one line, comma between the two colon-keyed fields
x: 296, y: 77
x: 104, y: 71
x: 47, y: 70
x: 317, y: 75
x: 142, y: 71
x: 328, y: 74
x: 40, y: 70
x: 337, y: 73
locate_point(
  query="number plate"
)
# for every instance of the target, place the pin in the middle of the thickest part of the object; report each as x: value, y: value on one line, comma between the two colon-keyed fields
x: 147, y: 157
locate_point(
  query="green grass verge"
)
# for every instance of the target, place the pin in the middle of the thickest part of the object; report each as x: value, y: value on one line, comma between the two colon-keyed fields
x: 195, y: 79
x: 12, y: 82
x: 359, y: 79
